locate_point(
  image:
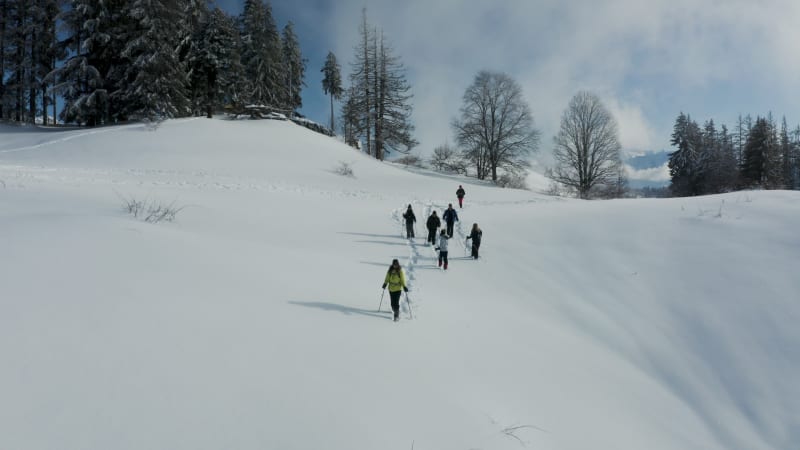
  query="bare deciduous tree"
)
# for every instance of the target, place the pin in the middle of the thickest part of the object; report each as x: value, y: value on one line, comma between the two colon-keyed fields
x: 587, y: 149
x: 446, y: 159
x: 495, y: 129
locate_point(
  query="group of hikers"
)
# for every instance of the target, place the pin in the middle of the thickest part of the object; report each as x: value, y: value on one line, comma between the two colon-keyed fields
x: 395, y: 278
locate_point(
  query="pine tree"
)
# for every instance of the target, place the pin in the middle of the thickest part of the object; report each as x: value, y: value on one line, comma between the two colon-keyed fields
x: 261, y: 55
x: 332, y: 82
x: 294, y: 69
x: 710, y: 151
x: 5, y: 13
x: 774, y: 164
x: 362, y: 79
x: 726, y: 164
x: 350, y: 119
x: 393, y: 126
x: 687, y: 166
x: 795, y: 152
x: 50, y: 52
x: 754, y: 165
x: 214, y: 62
x: 78, y: 80
x: 785, y: 156
x: 156, y: 80
x: 18, y: 21
x: 380, y: 99
x: 742, y: 131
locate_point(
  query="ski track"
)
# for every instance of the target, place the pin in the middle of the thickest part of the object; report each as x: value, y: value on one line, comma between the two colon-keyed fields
x: 198, y: 180
x: 416, y: 258
x: 77, y: 135
x: 413, y: 261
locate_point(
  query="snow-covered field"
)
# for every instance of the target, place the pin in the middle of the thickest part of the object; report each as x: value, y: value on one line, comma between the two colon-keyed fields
x: 251, y: 322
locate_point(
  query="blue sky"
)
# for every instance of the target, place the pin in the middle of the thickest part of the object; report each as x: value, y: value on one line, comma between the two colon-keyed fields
x: 647, y: 59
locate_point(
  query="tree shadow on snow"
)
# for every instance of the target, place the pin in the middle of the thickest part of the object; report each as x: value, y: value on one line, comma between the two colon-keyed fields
x: 382, y: 242
x: 346, y: 310
x: 383, y: 264
x: 392, y: 236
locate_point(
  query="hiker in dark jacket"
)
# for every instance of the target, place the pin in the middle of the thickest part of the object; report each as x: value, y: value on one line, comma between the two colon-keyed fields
x: 410, y: 220
x: 443, y: 238
x: 433, y: 224
x: 460, y: 194
x: 450, y: 217
x: 476, y: 236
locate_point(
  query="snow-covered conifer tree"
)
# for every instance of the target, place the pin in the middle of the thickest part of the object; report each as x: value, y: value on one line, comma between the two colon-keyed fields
x: 332, y: 82
x: 261, y: 54
x: 214, y: 62
x: 294, y: 68
x: 155, y: 79
x: 687, y: 165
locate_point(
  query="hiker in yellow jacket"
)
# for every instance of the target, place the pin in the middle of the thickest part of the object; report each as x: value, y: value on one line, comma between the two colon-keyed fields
x: 396, y: 280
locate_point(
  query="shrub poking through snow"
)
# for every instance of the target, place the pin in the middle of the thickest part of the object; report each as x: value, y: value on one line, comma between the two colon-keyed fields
x: 344, y: 169
x: 512, y: 180
x: 411, y: 160
x: 151, y: 211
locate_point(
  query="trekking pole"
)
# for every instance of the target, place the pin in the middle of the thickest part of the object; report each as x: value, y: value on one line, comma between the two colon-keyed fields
x: 381, y: 303
x: 410, y: 312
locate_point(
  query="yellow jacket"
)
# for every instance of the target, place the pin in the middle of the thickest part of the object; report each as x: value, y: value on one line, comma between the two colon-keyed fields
x: 395, y: 281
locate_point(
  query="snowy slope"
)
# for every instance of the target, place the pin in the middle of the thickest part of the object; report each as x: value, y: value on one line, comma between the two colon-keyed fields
x: 251, y: 321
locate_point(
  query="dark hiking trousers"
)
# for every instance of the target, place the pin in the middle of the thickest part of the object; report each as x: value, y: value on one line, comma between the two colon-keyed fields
x: 475, y: 246
x: 395, y: 296
x: 450, y: 224
x: 409, y: 229
x: 443, y: 259
x: 432, y: 235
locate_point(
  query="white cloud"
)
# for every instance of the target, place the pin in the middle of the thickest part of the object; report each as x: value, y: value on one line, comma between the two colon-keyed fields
x: 637, y: 55
x: 635, y: 133
x: 655, y: 174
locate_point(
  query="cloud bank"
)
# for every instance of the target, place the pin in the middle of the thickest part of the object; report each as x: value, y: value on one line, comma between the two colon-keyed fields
x: 648, y: 60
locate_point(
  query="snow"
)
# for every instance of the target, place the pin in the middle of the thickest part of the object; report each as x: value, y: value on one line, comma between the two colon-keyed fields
x: 251, y: 321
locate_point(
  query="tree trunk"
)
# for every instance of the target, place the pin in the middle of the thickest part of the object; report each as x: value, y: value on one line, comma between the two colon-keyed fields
x: 3, y: 15
x: 44, y: 104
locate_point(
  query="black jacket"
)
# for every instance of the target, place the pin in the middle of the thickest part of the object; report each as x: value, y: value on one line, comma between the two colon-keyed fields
x: 409, y: 216
x: 476, y: 236
x: 433, y: 222
x: 460, y: 193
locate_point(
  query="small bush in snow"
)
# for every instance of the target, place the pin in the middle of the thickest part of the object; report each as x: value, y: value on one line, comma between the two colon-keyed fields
x: 446, y: 159
x: 411, y: 160
x: 151, y: 212
x: 152, y: 124
x: 162, y: 213
x: 344, y: 169
x: 512, y: 180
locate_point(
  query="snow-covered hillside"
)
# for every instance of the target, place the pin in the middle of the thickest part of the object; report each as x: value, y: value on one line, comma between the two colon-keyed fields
x: 252, y: 322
